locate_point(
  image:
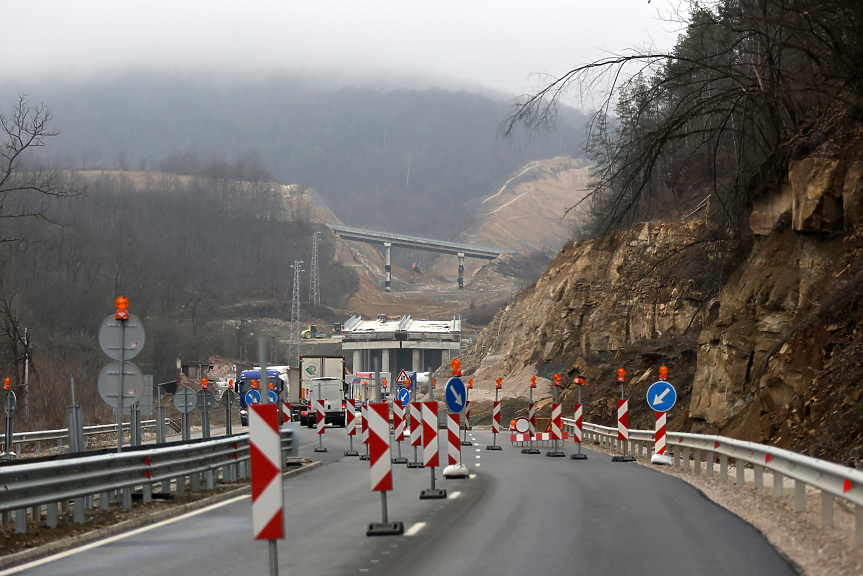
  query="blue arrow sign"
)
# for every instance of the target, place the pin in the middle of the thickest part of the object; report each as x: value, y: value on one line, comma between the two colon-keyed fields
x: 456, y: 394
x: 404, y: 397
x: 253, y: 397
x: 661, y: 396
x: 274, y: 398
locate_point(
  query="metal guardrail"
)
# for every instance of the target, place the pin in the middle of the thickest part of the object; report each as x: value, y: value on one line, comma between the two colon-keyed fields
x: 44, y: 486
x: 37, y: 437
x: 832, y: 480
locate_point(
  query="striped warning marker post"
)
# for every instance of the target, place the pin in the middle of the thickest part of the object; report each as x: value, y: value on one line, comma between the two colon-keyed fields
x: 364, y: 429
x: 531, y: 418
x: 265, y: 458
x: 578, y: 432
x: 416, y: 432
x: 399, y: 431
x: 351, y: 424
x: 622, y: 418
x: 555, y: 434
x: 378, y: 426
x: 322, y: 425
x: 465, y: 441
x: 659, y: 437
x: 430, y: 447
x: 286, y: 411
x: 454, y: 449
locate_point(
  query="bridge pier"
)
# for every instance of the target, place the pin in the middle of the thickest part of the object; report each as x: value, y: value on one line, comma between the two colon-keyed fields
x: 387, y: 265
x: 460, y: 270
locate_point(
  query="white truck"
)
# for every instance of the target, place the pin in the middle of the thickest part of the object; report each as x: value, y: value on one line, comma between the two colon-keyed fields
x: 312, y: 367
x: 332, y: 392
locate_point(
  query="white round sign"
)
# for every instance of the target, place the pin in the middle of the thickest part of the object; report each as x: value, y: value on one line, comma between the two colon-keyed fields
x: 111, y: 336
x: 522, y: 425
x: 109, y: 384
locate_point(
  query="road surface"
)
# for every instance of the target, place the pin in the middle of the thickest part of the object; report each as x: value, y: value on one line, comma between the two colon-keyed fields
x: 517, y: 514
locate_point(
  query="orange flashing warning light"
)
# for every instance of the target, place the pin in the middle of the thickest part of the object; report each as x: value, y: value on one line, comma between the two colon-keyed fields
x: 6, y: 384
x: 499, y: 383
x: 456, y: 367
x: 384, y: 382
x: 557, y: 379
x: 122, y: 305
x: 434, y: 382
x: 533, y: 381
x: 271, y: 385
x: 663, y: 372
x: 254, y: 384
x: 470, y: 383
x: 205, y: 384
x: 621, y: 375
x: 579, y: 380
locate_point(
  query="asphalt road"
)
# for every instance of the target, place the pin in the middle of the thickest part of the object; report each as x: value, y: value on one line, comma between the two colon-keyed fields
x: 517, y: 514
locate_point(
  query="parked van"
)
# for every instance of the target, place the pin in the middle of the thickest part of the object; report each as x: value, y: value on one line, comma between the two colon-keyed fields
x: 331, y: 391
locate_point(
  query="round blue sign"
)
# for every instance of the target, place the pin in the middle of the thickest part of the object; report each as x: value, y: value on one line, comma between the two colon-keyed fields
x: 404, y: 397
x: 274, y: 398
x: 253, y: 397
x: 456, y: 395
x: 661, y: 396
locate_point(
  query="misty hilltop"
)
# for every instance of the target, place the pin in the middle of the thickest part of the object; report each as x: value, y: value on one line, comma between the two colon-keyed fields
x: 397, y: 159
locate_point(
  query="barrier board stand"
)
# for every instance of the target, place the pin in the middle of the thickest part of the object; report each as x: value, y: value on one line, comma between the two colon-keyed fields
x: 321, y: 422
x: 364, y: 430
x: 577, y: 416
x: 378, y: 416
x: 556, y: 422
x: 351, y: 425
x: 467, y: 442
x: 661, y: 396
x: 531, y: 416
x: 622, y: 418
x: 399, y: 432
x: 430, y: 446
x: 495, y: 417
x: 456, y: 401
x: 415, y: 414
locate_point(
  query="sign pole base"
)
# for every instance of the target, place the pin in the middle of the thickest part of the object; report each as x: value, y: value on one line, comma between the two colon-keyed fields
x: 351, y: 452
x: 432, y: 493
x: 530, y: 451
x: 399, y: 459
x: 494, y: 445
x: 274, y: 558
x: 416, y: 463
x: 366, y: 455
x: 623, y: 459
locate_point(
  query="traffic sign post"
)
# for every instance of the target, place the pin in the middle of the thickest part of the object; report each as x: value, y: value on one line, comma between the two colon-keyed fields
x: 578, y: 434
x: 184, y: 402
x: 416, y: 432
x: 10, y: 404
x: 399, y: 431
x: 465, y: 441
x: 661, y: 396
x: 495, y: 417
x: 204, y: 401
x: 531, y: 419
x: 364, y: 430
x: 430, y: 448
x: 265, y: 458
x: 622, y: 418
x: 228, y: 402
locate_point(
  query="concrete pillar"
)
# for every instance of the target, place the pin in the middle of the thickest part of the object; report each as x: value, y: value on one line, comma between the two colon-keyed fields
x: 460, y: 270
x: 358, y: 361
x: 385, y: 361
x: 387, y: 265
x: 416, y: 360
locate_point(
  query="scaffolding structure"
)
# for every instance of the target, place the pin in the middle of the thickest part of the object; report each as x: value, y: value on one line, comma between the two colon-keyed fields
x: 294, y: 346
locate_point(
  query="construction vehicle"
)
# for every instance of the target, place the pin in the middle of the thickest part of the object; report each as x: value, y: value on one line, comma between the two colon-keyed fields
x: 312, y: 332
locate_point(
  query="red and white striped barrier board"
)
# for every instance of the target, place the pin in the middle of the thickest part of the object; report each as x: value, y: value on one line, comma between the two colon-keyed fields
x: 416, y: 424
x: 519, y: 437
x: 430, y: 440
x: 364, y: 423
x: 531, y: 416
x: 623, y: 420
x: 550, y: 436
x: 319, y: 408
x: 398, y: 421
x: 454, y: 450
x: 351, y: 416
x: 378, y: 416
x: 467, y: 414
x: 495, y: 418
x: 576, y: 437
x: 265, y: 456
x: 286, y: 412
x: 556, y: 422
x: 660, y: 433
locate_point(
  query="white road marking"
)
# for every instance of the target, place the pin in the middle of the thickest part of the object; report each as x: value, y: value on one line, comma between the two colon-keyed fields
x: 477, y: 464
x: 90, y: 546
x: 415, y: 528
x: 454, y: 495
x: 478, y: 450
x: 473, y: 475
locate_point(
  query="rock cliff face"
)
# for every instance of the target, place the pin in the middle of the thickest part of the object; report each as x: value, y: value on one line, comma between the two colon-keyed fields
x: 774, y: 355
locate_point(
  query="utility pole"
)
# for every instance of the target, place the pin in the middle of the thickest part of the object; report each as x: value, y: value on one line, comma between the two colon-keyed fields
x: 294, y: 347
x: 314, y: 276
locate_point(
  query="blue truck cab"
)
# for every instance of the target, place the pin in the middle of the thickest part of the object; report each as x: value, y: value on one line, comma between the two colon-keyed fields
x: 244, y: 384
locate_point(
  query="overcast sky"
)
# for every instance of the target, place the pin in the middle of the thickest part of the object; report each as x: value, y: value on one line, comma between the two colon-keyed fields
x: 500, y: 44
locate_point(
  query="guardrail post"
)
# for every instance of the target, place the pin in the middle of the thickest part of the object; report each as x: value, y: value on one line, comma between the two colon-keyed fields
x: 78, y: 510
x: 723, y: 468
x: 195, y: 480
x: 697, y: 461
x: 181, y: 485
x: 641, y: 449
x: 800, y: 496
x: 208, y: 478
x: 147, y: 493
x: 51, y: 514
x: 38, y: 448
x: 740, y: 467
x: 127, y: 498
x: 686, y: 458
x: 166, y: 487
x: 858, y: 525
x: 826, y: 510
x: 759, y: 476
x: 104, y: 501
x: 98, y: 440
x: 778, y: 488
x: 21, y: 521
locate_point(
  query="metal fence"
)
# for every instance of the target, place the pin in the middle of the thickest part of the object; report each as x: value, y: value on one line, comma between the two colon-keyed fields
x: 80, y: 481
x: 697, y: 450
x: 98, y: 432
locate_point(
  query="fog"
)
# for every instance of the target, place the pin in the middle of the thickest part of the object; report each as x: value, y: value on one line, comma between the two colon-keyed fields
x: 502, y: 45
